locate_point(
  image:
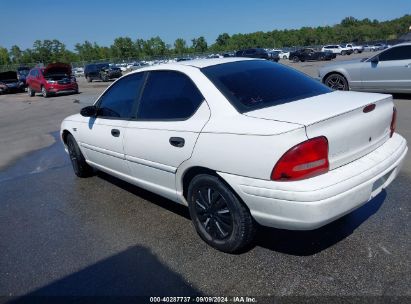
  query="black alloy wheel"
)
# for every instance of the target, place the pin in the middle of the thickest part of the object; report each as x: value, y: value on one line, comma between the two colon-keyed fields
x: 219, y: 217
x: 80, y: 166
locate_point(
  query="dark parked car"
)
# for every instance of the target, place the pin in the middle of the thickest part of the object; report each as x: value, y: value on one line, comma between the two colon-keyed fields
x: 101, y: 71
x: 9, y: 83
x: 310, y: 54
x: 253, y: 53
x: 22, y: 73
x: 274, y: 56
x: 53, y: 79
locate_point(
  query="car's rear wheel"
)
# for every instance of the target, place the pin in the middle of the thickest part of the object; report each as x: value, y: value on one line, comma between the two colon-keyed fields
x: 284, y: 57
x: 219, y: 217
x: 321, y: 58
x: 337, y: 82
x: 355, y: 51
x: 89, y: 79
x: 80, y: 166
x: 44, y: 92
x: 30, y: 91
x: 296, y: 59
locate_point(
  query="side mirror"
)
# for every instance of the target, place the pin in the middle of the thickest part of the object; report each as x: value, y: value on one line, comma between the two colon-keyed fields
x: 88, y: 111
x: 375, y: 59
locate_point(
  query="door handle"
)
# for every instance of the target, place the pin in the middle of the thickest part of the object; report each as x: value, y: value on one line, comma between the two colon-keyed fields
x: 177, y: 142
x: 115, y: 132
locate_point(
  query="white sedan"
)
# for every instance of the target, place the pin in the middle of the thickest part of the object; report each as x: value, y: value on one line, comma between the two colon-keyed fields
x: 240, y: 141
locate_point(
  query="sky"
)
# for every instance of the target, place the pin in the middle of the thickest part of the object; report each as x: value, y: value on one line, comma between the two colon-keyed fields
x: 22, y: 22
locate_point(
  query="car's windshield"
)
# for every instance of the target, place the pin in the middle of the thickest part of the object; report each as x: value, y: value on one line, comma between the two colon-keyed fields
x: 255, y: 84
x: 102, y: 65
x: 23, y: 72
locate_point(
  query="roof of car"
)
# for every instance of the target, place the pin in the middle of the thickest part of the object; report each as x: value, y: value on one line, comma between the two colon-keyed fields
x: 202, y: 63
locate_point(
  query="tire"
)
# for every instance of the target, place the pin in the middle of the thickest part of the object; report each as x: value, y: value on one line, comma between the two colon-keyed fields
x: 321, y: 58
x: 44, y: 92
x: 343, y: 53
x: 80, y: 166
x: 284, y: 57
x: 296, y: 59
x: 88, y: 78
x: 104, y: 77
x: 219, y: 217
x: 30, y: 92
x: 337, y: 82
x: 356, y: 51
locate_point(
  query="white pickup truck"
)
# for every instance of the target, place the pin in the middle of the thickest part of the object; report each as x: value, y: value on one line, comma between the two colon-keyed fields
x: 355, y: 48
x: 337, y: 49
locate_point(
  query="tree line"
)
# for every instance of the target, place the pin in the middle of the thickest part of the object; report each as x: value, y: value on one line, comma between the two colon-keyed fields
x: 349, y: 29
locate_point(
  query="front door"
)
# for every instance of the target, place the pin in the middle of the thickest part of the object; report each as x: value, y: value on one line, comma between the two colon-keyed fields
x: 102, y: 136
x: 391, y: 73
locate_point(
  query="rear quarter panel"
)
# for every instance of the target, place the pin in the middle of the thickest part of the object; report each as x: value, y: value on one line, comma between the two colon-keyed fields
x: 247, y: 155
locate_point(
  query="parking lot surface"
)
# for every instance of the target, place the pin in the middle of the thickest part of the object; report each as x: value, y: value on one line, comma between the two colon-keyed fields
x: 61, y: 235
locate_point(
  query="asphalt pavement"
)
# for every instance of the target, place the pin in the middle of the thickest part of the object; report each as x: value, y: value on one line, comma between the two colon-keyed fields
x: 65, y: 236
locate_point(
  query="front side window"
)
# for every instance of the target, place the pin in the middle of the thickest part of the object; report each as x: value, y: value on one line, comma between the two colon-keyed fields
x: 256, y: 84
x: 119, y: 99
x: 396, y: 53
x: 169, y: 95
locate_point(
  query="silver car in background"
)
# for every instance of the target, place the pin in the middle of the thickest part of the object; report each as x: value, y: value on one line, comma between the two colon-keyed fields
x: 388, y: 71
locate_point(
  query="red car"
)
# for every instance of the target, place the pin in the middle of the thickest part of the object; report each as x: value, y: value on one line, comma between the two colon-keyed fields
x: 53, y: 79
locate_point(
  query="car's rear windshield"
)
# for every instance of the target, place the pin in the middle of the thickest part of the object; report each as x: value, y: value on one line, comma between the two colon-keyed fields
x: 256, y: 84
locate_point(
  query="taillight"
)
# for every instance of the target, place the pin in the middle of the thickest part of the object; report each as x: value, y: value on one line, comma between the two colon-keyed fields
x: 393, y: 121
x: 307, y: 159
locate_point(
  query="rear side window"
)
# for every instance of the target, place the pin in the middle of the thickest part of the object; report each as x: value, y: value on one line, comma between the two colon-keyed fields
x: 169, y: 95
x: 396, y: 53
x: 119, y: 99
x: 256, y: 84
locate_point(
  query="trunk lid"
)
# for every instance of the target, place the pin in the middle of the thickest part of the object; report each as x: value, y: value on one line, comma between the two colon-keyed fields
x: 340, y: 117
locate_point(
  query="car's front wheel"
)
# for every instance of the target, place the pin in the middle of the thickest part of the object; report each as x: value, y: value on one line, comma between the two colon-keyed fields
x: 44, y: 92
x: 80, y: 166
x: 30, y: 91
x: 219, y: 217
x: 337, y: 82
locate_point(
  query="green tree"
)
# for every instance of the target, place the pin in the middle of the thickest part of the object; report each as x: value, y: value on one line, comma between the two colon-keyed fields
x: 123, y: 47
x: 16, y: 54
x: 4, y: 56
x: 180, y: 46
x: 222, y: 41
x: 199, y: 44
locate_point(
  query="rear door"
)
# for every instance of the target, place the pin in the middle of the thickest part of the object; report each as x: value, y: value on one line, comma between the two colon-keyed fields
x: 392, y: 72
x: 102, y: 137
x: 171, y: 114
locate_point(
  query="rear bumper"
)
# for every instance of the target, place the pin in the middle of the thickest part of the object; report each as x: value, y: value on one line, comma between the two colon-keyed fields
x: 314, y: 202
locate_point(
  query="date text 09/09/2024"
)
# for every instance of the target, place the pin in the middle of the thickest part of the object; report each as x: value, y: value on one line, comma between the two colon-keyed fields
x: 203, y: 299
